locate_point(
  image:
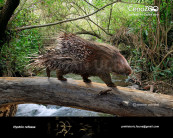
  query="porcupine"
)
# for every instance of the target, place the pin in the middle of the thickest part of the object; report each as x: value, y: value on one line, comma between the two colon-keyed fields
x: 72, y: 54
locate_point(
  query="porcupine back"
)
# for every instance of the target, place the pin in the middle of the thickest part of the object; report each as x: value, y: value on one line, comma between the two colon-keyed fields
x: 72, y: 54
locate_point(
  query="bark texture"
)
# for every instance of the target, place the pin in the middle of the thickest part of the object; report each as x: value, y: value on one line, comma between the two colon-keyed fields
x: 89, y: 96
x: 5, y: 15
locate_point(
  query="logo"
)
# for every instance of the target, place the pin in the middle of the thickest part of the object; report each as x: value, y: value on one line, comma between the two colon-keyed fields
x: 143, y: 9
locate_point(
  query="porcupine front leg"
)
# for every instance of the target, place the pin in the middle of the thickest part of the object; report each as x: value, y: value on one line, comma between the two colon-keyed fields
x: 59, y: 75
x: 107, y: 79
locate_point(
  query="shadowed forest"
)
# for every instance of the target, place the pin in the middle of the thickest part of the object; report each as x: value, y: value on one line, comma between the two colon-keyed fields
x: 141, y: 29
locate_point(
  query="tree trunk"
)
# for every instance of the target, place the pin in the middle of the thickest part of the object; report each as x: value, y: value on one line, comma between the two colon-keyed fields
x: 5, y: 15
x: 89, y: 96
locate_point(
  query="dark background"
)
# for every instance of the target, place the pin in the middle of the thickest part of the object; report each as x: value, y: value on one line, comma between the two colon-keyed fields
x: 69, y: 127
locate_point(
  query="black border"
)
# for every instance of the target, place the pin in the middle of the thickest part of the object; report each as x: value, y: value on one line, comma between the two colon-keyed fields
x: 92, y: 127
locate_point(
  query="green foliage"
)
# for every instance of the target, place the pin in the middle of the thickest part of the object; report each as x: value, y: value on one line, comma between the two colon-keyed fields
x: 148, y: 54
x: 14, y: 55
x: 1, y: 4
x: 15, y: 52
x: 137, y: 61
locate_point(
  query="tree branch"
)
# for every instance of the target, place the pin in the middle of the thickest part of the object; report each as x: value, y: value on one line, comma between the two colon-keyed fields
x: 84, y: 13
x: 64, y: 21
x: 100, y: 27
x: 90, y: 4
x: 165, y: 57
x: 110, y: 16
x: 89, y: 19
x: 90, y: 96
x: 90, y: 33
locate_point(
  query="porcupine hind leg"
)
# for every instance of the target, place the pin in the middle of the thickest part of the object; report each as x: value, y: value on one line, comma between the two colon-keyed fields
x: 85, y: 78
x: 48, y: 72
x: 59, y: 75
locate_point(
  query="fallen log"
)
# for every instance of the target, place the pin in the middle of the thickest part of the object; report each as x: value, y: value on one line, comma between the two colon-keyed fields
x: 89, y: 96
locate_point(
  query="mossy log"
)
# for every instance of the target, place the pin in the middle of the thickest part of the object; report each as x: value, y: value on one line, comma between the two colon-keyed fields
x: 120, y: 101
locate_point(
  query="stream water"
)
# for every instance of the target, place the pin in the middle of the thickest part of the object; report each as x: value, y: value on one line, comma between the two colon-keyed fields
x: 52, y: 110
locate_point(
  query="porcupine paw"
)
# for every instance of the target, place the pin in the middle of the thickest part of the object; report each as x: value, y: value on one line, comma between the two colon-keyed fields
x: 62, y: 79
x: 111, y: 85
x: 87, y: 80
